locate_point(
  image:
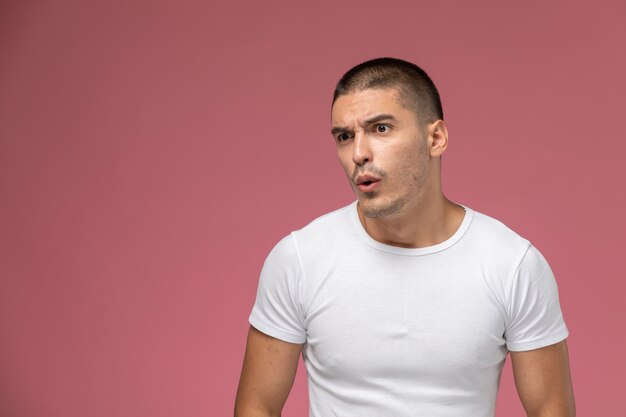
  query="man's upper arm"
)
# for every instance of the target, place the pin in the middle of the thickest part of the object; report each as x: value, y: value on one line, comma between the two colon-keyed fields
x: 269, y: 369
x: 543, y: 381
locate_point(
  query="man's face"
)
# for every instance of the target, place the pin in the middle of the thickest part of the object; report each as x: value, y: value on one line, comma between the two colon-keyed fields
x: 382, y: 150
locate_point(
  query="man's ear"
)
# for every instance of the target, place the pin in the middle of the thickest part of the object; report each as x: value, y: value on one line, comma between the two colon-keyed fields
x: 437, y: 137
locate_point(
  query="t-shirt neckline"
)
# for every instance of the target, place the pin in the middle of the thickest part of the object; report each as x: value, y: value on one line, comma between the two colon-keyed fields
x: 460, y: 232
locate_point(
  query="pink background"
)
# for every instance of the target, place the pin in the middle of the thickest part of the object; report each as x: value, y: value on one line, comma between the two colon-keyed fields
x: 152, y: 153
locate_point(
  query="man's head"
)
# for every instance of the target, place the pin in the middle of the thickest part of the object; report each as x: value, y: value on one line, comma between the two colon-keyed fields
x: 388, y: 128
x: 414, y: 86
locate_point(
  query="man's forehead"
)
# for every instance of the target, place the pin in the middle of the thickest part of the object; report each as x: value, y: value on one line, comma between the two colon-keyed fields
x: 371, y: 97
x: 364, y: 104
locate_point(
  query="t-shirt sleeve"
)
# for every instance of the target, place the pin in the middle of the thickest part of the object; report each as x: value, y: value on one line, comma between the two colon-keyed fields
x: 277, y: 310
x: 534, y: 314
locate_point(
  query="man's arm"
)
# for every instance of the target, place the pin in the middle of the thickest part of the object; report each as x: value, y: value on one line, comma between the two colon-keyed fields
x: 269, y: 368
x: 543, y: 382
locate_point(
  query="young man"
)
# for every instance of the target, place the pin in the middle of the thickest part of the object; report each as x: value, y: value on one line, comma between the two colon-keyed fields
x: 402, y: 303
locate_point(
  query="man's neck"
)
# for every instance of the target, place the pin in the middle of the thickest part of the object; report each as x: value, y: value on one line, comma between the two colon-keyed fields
x: 416, y: 227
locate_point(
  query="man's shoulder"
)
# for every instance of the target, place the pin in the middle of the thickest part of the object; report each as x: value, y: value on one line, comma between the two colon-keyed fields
x: 320, y: 236
x: 489, y: 232
x: 326, y: 225
x: 497, y: 250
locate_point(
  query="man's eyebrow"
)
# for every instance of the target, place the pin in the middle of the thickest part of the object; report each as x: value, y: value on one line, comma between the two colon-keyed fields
x: 339, y: 129
x: 371, y: 120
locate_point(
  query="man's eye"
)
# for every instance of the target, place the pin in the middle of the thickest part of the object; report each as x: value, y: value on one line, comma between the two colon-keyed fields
x: 382, y: 128
x: 343, y: 137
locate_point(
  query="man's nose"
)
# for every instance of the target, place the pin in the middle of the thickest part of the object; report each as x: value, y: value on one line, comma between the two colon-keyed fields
x: 361, y: 152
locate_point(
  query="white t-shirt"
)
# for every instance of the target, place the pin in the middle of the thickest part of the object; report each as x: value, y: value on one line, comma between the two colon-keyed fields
x: 393, y: 331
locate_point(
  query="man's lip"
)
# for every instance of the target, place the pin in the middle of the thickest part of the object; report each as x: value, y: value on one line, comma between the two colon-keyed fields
x: 366, y: 183
x: 368, y: 187
x: 365, y: 178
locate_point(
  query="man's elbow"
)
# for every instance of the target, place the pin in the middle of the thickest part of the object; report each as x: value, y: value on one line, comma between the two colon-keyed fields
x: 560, y: 409
x: 244, y: 410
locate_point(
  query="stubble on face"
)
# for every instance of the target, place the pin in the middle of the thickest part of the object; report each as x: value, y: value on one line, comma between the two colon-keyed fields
x: 401, y: 161
x: 410, y: 179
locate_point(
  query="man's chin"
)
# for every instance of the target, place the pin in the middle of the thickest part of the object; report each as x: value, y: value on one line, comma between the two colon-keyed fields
x: 373, y: 209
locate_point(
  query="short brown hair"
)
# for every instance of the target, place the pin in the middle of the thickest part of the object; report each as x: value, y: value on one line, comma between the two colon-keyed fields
x: 415, y: 87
